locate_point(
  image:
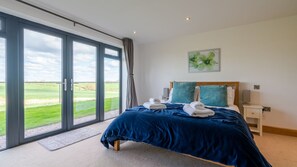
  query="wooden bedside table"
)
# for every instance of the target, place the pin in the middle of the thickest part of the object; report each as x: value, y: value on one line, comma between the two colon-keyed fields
x: 254, y: 112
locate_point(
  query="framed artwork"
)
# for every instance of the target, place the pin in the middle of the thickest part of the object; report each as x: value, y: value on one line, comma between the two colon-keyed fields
x: 204, y: 60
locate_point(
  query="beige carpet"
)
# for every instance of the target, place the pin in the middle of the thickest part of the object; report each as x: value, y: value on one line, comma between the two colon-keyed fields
x: 281, y: 151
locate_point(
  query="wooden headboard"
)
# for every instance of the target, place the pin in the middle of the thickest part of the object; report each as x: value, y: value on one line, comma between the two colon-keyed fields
x: 234, y: 85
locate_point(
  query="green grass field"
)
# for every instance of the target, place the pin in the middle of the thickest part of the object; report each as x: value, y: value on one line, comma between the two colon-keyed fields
x: 43, y: 107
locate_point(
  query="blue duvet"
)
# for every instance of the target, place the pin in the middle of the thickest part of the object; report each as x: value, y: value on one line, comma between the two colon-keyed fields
x: 223, y: 138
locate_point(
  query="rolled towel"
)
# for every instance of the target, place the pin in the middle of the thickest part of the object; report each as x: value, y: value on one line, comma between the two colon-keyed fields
x: 154, y: 101
x: 197, y: 105
x: 151, y: 106
x: 198, y: 112
x: 188, y: 109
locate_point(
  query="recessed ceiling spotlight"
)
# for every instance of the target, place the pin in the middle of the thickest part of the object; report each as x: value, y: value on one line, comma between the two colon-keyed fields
x: 134, y: 32
x: 188, y: 18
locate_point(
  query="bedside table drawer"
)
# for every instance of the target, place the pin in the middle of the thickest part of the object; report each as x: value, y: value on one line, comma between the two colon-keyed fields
x: 251, y: 113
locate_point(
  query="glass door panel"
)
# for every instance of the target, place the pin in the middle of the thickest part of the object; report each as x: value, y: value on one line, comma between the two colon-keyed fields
x: 84, y: 83
x: 42, y: 83
x: 111, y: 88
x: 2, y: 93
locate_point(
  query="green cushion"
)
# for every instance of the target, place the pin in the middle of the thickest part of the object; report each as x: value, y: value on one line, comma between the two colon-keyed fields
x: 214, y: 95
x: 183, y: 92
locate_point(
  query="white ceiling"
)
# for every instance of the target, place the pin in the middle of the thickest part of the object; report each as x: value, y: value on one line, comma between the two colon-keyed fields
x: 155, y: 20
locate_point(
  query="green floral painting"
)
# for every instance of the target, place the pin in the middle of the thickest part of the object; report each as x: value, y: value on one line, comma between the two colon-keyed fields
x: 204, y: 60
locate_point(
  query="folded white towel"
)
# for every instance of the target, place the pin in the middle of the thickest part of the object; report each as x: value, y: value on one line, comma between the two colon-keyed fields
x: 203, y: 113
x: 198, y: 112
x: 149, y: 105
x: 197, y: 105
x: 154, y: 101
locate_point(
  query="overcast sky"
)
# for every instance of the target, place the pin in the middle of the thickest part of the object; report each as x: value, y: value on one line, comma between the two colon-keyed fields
x: 43, y: 59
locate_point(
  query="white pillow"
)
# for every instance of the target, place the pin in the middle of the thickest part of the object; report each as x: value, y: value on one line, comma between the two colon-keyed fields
x: 170, y: 96
x: 197, y: 93
x: 230, y: 96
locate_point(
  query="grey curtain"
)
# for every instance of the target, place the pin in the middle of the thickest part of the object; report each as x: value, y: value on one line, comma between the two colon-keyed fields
x: 129, y: 56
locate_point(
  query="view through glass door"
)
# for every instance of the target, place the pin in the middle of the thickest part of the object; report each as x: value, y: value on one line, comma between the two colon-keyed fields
x: 43, y: 89
x: 45, y: 86
x: 84, y: 82
x: 61, y: 84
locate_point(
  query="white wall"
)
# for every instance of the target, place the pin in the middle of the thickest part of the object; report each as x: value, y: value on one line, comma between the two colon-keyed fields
x: 263, y: 53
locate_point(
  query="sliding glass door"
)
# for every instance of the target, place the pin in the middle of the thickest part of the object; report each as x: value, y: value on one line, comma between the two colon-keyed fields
x: 2, y: 93
x: 84, y: 82
x: 43, y: 84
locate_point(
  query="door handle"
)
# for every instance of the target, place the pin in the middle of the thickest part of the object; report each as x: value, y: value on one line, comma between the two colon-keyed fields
x: 71, y: 84
x: 65, y: 84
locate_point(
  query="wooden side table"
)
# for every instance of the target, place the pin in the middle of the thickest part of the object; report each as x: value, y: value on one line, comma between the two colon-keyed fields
x: 254, y: 112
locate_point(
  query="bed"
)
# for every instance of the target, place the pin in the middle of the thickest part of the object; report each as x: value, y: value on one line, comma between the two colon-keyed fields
x: 224, y: 137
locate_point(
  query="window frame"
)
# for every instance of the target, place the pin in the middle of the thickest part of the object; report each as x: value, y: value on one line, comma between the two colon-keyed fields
x: 119, y: 58
x: 109, y: 48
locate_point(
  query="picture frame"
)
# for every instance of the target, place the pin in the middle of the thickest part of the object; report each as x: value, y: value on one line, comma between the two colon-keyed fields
x: 204, y: 60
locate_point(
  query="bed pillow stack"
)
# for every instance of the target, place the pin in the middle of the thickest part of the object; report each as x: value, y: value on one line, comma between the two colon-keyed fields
x: 183, y: 92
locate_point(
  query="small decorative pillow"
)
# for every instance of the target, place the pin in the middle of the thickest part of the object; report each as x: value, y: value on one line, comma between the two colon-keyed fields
x: 214, y: 95
x: 196, y: 94
x: 183, y: 92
